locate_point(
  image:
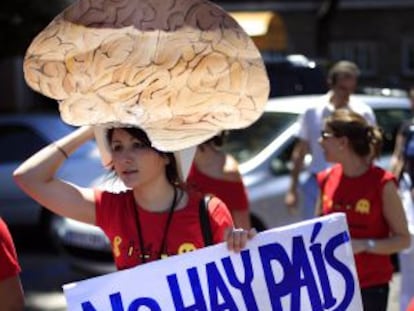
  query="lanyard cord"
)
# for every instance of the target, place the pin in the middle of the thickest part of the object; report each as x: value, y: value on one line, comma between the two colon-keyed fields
x: 164, y: 238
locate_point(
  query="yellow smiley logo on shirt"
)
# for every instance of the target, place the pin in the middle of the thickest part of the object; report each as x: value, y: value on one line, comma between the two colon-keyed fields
x: 363, y: 206
x: 186, y: 247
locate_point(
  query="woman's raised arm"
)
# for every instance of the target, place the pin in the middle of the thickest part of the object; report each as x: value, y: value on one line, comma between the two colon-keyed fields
x: 36, y: 176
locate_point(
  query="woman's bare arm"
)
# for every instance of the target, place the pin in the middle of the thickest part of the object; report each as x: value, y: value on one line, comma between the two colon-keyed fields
x: 11, y: 294
x: 36, y: 176
x: 397, y: 160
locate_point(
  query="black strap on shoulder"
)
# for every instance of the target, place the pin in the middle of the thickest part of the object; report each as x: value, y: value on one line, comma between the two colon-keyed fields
x: 205, y: 220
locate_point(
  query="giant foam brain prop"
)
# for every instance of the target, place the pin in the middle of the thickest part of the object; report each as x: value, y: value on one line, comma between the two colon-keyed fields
x: 182, y: 70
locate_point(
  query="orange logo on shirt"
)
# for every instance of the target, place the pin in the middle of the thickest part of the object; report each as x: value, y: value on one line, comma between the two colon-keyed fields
x: 363, y: 206
x: 116, y: 244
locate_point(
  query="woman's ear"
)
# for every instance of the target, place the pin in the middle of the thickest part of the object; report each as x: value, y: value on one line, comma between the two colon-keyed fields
x: 166, y: 159
x: 343, y: 141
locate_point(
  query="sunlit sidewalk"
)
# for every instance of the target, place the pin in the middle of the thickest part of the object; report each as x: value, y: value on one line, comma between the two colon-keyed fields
x: 394, y: 298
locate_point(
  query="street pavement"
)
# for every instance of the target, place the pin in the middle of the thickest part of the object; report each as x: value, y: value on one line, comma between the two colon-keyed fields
x: 42, y: 277
x: 44, y: 271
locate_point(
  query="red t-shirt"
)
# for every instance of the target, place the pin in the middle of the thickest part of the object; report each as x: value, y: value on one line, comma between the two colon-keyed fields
x: 116, y: 217
x: 9, y: 265
x: 233, y: 193
x: 360, y: 198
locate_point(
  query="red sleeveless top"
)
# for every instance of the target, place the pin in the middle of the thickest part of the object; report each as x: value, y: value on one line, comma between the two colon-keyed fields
x: 116, y: 217
x: 232, y: 193
x: 360, y: 198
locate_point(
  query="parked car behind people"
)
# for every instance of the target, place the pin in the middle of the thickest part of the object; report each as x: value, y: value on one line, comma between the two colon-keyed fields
x: 21, y: 136
x: 294, y: 74
x: 263, y: 150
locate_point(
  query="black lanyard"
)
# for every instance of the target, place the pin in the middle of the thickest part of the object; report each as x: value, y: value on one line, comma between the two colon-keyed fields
x: 164, y: 238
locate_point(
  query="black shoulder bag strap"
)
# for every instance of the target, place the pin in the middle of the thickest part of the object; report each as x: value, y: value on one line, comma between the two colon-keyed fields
x: 205, y: 220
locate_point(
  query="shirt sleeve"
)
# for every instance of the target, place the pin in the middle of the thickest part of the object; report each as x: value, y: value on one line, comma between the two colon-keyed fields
x: 306, y: 121
x: 388, y: 176
x: 9, y: 265
x: 101, y: 205
x: 322, y: 176
x: 363, y: 109
x: 301, y: 132
x: 220, y: 219
x: 370, y: 117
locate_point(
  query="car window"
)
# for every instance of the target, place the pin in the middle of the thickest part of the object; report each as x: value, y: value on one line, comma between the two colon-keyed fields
x: 18, y: 143
x: 281, y: 163
x: 390, y: 119
x: 245, y: 143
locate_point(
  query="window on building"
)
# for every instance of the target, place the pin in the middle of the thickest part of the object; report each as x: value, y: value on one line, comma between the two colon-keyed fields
x: 363, y: 53
x: 407, y: 59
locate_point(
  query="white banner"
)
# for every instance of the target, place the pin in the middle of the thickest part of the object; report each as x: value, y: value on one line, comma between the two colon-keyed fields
x: 304, y: 266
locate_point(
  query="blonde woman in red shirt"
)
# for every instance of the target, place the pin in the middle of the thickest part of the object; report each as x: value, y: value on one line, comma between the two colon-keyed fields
x: 368, y: 195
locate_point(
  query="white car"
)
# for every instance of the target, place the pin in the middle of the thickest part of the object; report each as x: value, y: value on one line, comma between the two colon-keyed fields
x: 263, y: 150
x: 20, y: 137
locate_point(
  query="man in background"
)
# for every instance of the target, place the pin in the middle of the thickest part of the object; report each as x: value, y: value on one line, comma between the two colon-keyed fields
x: 342, y: 82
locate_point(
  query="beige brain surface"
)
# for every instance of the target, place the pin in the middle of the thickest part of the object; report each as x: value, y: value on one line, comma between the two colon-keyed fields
x: 182, y: 70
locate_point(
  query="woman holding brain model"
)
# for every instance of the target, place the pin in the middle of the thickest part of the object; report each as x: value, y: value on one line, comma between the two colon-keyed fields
x: 155, y: 90
x: 153, y: 220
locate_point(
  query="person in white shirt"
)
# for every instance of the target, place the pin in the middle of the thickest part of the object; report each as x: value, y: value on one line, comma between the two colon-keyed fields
x: 342, y: 80
x: 401, y: 164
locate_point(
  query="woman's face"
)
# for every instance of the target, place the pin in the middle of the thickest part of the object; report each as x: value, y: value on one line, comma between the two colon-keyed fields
x: 135, y: 162
x: 331, y: 145
x: 345, y: 84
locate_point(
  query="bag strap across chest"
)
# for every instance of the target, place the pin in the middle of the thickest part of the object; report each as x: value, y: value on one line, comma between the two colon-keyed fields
x: 205, y: 220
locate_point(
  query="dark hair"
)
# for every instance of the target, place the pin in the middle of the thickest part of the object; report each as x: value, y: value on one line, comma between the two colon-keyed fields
x: 218, y: 140
x: 365, y: 140
x: 170, y: 170
x: 342, y: 67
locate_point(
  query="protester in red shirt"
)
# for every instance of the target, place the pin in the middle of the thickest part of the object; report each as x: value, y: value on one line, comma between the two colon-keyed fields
x: 11, y: 290
x: 162, y: 234
x: 155, y: 218
x: 216, y: 172
x: 368, y: 195
x: 411, y: 305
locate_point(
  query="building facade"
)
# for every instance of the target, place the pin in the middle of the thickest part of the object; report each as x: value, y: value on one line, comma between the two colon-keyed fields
x: 378, y: 35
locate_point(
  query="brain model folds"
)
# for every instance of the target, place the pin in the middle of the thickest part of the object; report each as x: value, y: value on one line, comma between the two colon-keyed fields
x: 183, y: 70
